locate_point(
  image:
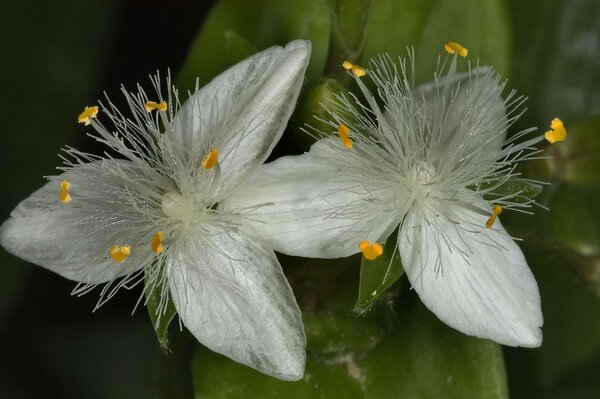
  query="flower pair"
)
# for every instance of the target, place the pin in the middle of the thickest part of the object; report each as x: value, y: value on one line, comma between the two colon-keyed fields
x: 188, y: 209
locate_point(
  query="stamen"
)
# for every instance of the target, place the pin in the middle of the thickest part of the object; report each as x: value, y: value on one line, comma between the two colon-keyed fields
x: 343, y: 133
x: 347, y: 65
x: 157, y: 245
x: 453, y: 47
x: 64, y: 195
x: 370, y: 252
x: 152, y: 105
x: 557, y: 131
x: 87, y: 115
x: 210, y: 159
x: 490, y: 222
x: 119, y: 253
x: 357, y: 70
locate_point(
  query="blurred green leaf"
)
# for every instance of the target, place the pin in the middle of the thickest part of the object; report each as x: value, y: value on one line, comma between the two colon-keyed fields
x: 160, y: 309
x: 400, y: 354
x: 377, y: 275
x: 257, y: 25
x: 349, y: 25
x: 333, y: 332
x: 576, y: 159
x: 237, y: 47
x: 557, y: 54
x: 317, y: 94
x: 564, y: 366
x: 424, y: 358
x: 526, y: 190
x: 215, y: 377
x: 481, y: 26
x: 575, y: 218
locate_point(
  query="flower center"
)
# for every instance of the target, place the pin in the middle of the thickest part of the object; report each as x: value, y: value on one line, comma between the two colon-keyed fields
x: 174, y: 205
x: 423, y: 176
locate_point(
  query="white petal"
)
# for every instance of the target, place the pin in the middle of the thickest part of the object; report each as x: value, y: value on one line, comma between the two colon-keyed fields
x: 314, y: 206
x: 243, y: 112
x: 230, y: 292
x: 68, y: 238
x: 474, y: 279
x: 471, y: 104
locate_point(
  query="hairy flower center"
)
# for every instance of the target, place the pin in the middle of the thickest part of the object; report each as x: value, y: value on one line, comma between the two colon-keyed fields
x: 423, y: 176
x: 175, y: 206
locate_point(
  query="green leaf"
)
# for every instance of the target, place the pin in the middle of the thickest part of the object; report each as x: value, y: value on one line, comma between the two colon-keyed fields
x: 216, y: 377
x: 237, y: 47
x: 526, y: 190
x: 576, y: 159
x: 349, y: 24
x: 424, y: 358
x: 331, y: 332
x: 418, y: 357
x: 566, y: 365
x: 481, y: 26
x: 558, y: 58
x: 316, y: 95
x: 160, y: 309
x: 377, y: 275
x: 257, y: 25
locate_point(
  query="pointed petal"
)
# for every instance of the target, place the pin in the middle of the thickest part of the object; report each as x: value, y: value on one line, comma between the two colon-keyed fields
x: 315, y: 205
x: 70, y: 239
x: 474, y: 279
x: 230, y: 292
x: 243, y: 112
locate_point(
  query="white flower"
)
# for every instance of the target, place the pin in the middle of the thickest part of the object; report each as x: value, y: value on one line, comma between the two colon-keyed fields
x: 151, y: 210
x: 429, y: 160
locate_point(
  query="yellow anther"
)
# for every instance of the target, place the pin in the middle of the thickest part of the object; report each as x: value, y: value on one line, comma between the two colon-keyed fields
x: 64, y: 195
x: 557, y: 131
x: 119, y: 253
x: 152, y: 105
x: 490, y: 222
x: 87, y: 115
x: 453, y: 47
x: 210, y: 160
x: 357, y: 70
x: 157, y: 245
x: 343, y: 133
x: 370, y: 251
x: 347, y: 65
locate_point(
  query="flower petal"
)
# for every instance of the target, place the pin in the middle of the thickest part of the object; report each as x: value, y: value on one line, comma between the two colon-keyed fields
x: 230, y: 292
x: 315, y: 205
x: 474, y: 279
x: 243, y: 112
x: 73, y: 239
x: 470, y: 104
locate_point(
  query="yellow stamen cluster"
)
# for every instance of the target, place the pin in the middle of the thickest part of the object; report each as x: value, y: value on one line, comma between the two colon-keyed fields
x: 490, y: 222
x: 119, y: 253
x: 357, y: 70
x: 64, y: 195
x: 87, y: 115
x: 343, y: 133
x: 453, y: 47
x: 157, y: 245
x: 557, y: 131
x: 370, y: 252
x: 210, y: 160
x: 152, y: 105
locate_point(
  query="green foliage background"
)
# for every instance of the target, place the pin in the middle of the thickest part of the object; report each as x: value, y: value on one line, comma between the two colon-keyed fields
x: 59, y: 56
